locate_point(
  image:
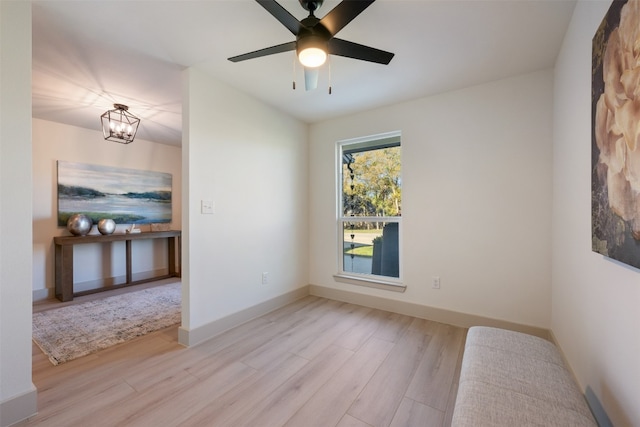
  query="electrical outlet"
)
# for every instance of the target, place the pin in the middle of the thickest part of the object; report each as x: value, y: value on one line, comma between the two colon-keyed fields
x: 207, y: 207
x: 436, y: 282
x: 265, y: 278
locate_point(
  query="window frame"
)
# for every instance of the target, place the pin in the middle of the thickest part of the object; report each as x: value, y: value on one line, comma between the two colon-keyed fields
x: 379, y: 141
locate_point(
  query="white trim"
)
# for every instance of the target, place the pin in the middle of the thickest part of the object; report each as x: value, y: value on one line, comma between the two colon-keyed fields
x: 364, y: 140
x: 19, y: 408
x: 397, y: 219
x: 43, y: 294
x: 373, y: 281
x: 441, y: 315
x: 376, y: 281
x: 202, y: 333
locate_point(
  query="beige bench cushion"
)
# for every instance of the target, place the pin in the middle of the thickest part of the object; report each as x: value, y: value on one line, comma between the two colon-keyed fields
x: 509, y: 378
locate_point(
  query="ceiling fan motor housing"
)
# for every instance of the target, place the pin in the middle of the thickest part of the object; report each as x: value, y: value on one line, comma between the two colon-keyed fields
x: 311, y: 41
x: 312, y: 34
x: 311, y: 5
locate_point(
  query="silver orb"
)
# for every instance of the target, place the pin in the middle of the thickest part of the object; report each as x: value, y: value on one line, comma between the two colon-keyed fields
x: 106, y: 226
x: 79, y: 224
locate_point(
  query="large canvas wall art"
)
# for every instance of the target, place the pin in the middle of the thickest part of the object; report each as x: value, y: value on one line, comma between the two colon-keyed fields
x: 127, y: 196
x: 615, y: 145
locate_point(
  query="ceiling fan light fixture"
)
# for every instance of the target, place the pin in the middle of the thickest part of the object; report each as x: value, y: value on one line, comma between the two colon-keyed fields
x: 312, y: 57
x: 119, y: 124
x: 312, y: 51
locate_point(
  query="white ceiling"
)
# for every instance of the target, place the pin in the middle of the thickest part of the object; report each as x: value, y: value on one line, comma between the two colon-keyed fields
x: 90, y: 54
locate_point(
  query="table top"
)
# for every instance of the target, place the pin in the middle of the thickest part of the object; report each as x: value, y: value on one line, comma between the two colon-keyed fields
x: 99, y: 238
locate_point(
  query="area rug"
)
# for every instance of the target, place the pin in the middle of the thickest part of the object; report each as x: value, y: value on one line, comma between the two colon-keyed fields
x: 70, y: 332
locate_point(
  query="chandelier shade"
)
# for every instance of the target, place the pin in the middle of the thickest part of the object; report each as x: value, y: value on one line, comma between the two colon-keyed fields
x: 119, y: 124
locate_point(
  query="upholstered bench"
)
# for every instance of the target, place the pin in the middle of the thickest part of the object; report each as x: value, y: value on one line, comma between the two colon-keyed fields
x: 514, y: 379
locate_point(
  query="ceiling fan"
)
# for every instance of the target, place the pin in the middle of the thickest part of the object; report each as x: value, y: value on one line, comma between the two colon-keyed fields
x: 315, y: 37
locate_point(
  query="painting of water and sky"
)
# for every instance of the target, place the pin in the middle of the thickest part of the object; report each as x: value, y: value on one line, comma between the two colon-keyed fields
x: 127, y: 196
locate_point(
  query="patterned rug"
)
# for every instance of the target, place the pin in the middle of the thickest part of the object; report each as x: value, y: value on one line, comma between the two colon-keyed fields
x: 70, y: 332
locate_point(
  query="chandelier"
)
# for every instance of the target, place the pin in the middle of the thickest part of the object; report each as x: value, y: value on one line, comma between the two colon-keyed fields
x: 119, y: 124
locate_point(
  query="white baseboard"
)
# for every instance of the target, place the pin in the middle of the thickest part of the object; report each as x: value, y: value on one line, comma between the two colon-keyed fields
x: 195, y: 336
x: 19, y: 408
x: 43, y: 294
x: 202, y: 333
x: 424, y: 312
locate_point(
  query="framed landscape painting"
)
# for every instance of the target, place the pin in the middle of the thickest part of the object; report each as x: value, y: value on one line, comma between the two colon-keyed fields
x: 615, y: 137
x: 127, y: 196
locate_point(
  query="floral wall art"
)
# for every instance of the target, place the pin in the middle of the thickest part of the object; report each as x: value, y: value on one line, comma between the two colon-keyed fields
x: 615, y: 147
x: 127, y: 196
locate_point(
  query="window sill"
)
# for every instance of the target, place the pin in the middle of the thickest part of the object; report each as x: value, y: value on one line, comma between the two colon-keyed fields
x: 370, y: 283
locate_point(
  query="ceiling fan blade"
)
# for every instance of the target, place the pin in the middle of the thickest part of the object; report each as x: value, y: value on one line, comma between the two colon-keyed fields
x: 282, y: 15
x: 343, y: 13
x: 311, y: 78
x: 358, y: 51
x: 285, y: 47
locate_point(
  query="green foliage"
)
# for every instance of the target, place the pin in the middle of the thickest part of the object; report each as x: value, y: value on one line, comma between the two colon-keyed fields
x: 366, y: 251
x: 160, y: 196
x: 376, y: 188
x: 76, y: 191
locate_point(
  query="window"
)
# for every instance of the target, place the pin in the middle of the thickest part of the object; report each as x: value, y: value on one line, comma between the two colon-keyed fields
x: 370, y: 206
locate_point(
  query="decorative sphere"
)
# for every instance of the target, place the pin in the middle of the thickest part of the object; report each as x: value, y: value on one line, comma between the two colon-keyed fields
x: 79, y: 224
x: 106, y: 226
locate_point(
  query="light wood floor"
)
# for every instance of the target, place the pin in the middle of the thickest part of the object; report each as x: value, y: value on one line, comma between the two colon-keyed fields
x: 315, y: 362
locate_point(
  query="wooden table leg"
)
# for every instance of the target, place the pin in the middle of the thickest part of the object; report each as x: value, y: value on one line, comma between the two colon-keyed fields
x: 171, y: 250
x: 64, y: 273
x: 128, y: 251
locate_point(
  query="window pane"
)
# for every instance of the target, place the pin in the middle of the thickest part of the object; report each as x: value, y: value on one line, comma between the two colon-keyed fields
x: 371, y: 247
x: 371, y: 184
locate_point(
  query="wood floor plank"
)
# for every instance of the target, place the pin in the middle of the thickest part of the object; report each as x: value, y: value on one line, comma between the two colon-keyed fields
x: 298, y: 308
x: 381, y: 397
x: 393, y: 327
x: 412, y: 413
x: 287, y: 342
x: 343, y: 388
x: 71, y: 411
x: 355, y: 337
x: 216, y: 356
x: 455, y: 382
x: 152, y: 402
x: 354, y: 367
x: 111, y: 365
x: 348, y: 316
x: 432, y: 380
x: 237, y: 401
x: 349, y: 421
x: 276, y: 408
x: 172, y: 409
x: 160, y: 369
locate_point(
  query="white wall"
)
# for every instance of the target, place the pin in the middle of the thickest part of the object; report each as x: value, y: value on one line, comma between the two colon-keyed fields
x: 17, y: 393
x: 252, y: 162
x: 93, y: 263
x: 476, y: 198
x: 595, y: 310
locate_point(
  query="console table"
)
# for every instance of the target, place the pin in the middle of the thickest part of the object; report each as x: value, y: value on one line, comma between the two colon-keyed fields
x: 64, y: 258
